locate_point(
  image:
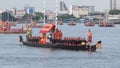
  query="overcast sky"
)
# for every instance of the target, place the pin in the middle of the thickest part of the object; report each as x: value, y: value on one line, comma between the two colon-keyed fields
x: 100, y: 5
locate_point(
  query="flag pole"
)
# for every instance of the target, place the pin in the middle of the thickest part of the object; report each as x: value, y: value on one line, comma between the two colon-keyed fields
x: 44, y: 11
x: 56, y: 17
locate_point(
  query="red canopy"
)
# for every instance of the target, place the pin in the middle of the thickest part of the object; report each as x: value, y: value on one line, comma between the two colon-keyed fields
x: 46, y: 28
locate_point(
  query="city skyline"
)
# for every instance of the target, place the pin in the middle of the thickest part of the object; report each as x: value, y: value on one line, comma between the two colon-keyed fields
x: 100, y: 5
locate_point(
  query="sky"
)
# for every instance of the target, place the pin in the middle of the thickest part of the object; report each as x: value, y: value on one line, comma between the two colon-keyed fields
x: 100, y: 5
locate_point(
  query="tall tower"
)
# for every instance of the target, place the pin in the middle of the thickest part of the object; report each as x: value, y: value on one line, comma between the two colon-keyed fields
x: 63, y: 6
x: 115, y: 4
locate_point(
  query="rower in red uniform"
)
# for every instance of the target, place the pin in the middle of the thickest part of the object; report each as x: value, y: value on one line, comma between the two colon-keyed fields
x: 59, y: 35
x: 89, y: 36
x: 55, y: 34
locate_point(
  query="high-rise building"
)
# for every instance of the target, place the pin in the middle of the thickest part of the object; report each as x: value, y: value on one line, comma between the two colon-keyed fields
x: 115, y: 4
x: 30, y: 10
x: 63, y: 7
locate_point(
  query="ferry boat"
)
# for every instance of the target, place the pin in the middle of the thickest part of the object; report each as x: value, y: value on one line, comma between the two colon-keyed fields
x: 66, y: 43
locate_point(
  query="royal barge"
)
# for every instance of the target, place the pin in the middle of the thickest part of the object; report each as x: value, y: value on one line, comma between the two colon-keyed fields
x: 64, y: 43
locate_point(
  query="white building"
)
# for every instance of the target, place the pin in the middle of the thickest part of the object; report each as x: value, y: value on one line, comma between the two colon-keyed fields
x: 78, y: 11
x: 20, y: 13
x: 2, y: 10
x: 30, y: 10
x: 115, y: 4
x: 50, y: 15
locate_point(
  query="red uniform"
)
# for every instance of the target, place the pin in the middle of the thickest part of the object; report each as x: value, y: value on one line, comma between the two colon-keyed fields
x: 89, y: 36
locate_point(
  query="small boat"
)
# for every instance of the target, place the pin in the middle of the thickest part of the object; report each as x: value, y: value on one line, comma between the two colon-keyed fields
x: 59, y: 22
x: 89, y: 24
x: 71, y: 23
x: 66, y: 43
x: 34, y: 25
x: 12, y: 23
x: 106, y: 24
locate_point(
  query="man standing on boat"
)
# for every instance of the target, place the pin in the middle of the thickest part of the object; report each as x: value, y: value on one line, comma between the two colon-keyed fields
x: 89, y: 36
x: 29, y: 33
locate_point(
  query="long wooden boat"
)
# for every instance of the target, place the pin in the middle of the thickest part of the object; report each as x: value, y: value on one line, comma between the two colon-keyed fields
x: 58, y: 43
x: 62, y: 44
x: 110, y: 25
x: 35, y: 26
x: 89, y: 24
x: 13, y: 31
x: 72, y: 23
x: 106, y: 24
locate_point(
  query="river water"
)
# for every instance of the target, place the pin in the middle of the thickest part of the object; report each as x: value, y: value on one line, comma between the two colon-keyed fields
x: 15, y: 55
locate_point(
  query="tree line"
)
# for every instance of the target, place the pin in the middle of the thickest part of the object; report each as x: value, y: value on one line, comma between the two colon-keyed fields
x: 6, y: 16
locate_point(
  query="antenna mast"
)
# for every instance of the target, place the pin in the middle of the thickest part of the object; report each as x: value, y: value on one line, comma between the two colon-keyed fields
x: 56, y: 13
x: 44, y: 10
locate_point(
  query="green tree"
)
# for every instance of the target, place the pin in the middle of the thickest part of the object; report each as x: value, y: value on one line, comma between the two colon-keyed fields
x: 39, y: 15
x: 96, y: 13
x: 26, y: 17
x: 114, y: 12
x: 7, y: 17
x: 4, y: 16
x: 65, y: 16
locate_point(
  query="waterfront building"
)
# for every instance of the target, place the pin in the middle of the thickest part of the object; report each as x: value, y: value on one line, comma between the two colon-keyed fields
x: 115, y: 4
x: 30, y: 10
x: 78, y: 11
x: 20, y: 13
x: 50, y: 14
x: 14, y: 11
x: 2, y: 10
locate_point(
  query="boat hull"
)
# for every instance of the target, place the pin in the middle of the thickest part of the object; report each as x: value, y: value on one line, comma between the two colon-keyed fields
x: 106, y: 25
x: 35, y: 26
x: 62, y: 46
x: 13, y: 31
